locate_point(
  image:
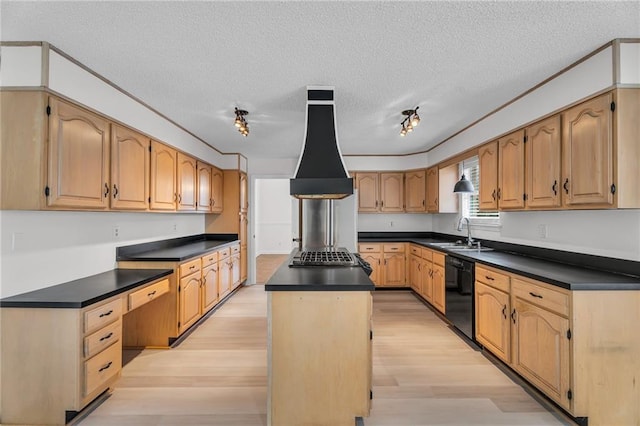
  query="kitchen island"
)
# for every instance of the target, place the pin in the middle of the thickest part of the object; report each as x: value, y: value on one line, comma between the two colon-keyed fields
x: 319, y: 345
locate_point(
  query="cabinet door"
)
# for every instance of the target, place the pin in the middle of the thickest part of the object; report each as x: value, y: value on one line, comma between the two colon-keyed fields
x: 511, y: 171
x: 189, y: 301
x: 415, y: 274
x: 217, y: 185
x: 427, y: 281
x: 129, y: 169
x: 438, y: 295
x: 543, y: 163
x: 367, y: 185
x: 224, y: 280
x: 391, y: 192
x: 244, y: 192
x: 488, y: 163
x: 163, y: 177
x: 374, y: 260
x: 541, y: 349
x: 432, y: 189
x: 235, y: 271
x: 415, y: 191
x: 493, y: 327
x: 209, y: 296
x: 243, y: 263
x: 587, y: 153
x: 187, y: 171
x: 394, y: 270
x: 204, y: 187
x: 78, y: 158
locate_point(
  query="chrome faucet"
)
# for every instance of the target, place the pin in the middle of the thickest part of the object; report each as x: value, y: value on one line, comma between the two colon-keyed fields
x: 469, y: 239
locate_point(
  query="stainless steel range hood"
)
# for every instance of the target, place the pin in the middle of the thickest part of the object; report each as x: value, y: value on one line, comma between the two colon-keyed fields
x: 321, y: 172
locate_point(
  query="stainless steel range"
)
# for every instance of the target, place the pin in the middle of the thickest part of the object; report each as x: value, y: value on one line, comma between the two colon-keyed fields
x: 323, y: 257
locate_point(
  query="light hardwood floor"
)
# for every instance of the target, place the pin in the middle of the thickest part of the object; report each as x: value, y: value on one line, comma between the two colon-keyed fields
x: 424, y: 374
x: 266, y: 265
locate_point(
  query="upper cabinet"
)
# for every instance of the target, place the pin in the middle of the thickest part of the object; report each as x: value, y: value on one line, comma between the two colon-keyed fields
x: 587, y: 153
x: 432, y: 193
x: 217, y: 185
x: 392, y: 192
x: 78, y: 158
x: 244, y: 192
x: 186, y: 178
x: 488, y: 163
x: 543, y: 163
x: 415, y: 191
x: 367, y: 185
x: 204, y: 198
x: 129, y: 169
x: 511, y: 189
x: 163, y: 177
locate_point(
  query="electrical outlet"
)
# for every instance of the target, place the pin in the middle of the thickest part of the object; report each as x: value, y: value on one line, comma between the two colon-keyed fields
x: 116, y: 231
x: 175, y: 226
x: 542, y: 231
x: 391, y: 224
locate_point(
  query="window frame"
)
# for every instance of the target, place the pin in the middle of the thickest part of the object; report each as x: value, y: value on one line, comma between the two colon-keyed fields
x: 489, y: 220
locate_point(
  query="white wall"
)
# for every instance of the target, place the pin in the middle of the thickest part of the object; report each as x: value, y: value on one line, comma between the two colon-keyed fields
x: 372, y: 222
x: 41, y: 249
x: 630, y: 63
x: 21, y: 66
x: 375, y: 163
x: 273, y: 216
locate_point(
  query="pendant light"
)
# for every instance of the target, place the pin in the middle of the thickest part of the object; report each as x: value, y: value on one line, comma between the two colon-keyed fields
x: 463, y: 186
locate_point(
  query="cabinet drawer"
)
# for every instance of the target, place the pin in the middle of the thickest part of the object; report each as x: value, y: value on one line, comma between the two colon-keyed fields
x: 147, y: 294
x: 393, y: 248
x: 209, y: 259
x: 102, y: 338
x: 102, y: 367
x: 415, y: 250
x: 427, y: 254
x: 369, y: 248
x: 224, y: 253
x: 189, y: 268
x: 438, y: 258
x: 493, y: 278
x: 235, y: 249
x: 99, y: 317
x: 541, y: 295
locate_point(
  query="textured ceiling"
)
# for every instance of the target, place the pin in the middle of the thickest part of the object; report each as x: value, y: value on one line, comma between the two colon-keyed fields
x: 196, y: 61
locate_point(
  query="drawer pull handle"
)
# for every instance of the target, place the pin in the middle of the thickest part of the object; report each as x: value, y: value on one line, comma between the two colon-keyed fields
x: 566, y: 185
x: 489, y: 278
x: 554, y: 188
x: 504, y: 311
x: 106, y: 190
x: 535, y: 295
x: 211, y: 259
x: 152, y: 293
x: 106, y: 314
x: 107, y: 337
x: 513, y: 315
x: 105, y: 367
x: 192, y: 267
x: 493, y: 195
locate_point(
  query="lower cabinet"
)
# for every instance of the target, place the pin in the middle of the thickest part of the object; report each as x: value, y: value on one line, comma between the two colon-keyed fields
x: 210, y: 276
x: 427, y: 275
x: 388, y: 262
x: 438, y: 284
x: 580, y: 348
x: 55, y: 361
x: 189, y: 290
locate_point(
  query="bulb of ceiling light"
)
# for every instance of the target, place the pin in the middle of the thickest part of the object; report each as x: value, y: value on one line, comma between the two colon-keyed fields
x: 409, y: 127
x: 403, y: 131
x: 415, y: 120
x: 238, y: 121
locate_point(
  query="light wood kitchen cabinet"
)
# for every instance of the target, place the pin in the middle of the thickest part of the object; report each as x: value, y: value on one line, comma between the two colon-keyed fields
x: 391, y: 192
x: 367, y: 184
x: 217, y: 188
x: 415, y: 191
x: 78, y: 158
x: 235, y: 271
x: 204, y: 199
x: 493, y: 324
x: 433, y: 191
x: 511, y: 171
x: 488, y: 162
x: 415, y: 278
x: 243, y: 236
x: 371, y: 254
x: 394, y: 265
x: 225, y: 266
x: 189, y: 297
x: 587, y: 153
x: 244, y: 192
x: 164, y: 193
x: 187, y: 179
x: 437, y: 282
x: 130, y: 160
x: 209, y: 293
x: 543, y: 154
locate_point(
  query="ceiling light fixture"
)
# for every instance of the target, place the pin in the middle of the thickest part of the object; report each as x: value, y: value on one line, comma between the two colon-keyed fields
x: 241, y: 123
x: 411, y: 120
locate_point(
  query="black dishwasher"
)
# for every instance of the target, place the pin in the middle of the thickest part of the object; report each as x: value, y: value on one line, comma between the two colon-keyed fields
x: 459, y: 286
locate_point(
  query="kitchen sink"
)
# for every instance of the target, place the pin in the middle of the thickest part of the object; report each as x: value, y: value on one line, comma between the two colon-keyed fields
x: 459, y: 246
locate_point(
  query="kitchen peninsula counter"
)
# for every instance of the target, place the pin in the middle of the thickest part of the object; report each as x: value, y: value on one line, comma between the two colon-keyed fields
x: 319, y: 345
x: 177, y: 249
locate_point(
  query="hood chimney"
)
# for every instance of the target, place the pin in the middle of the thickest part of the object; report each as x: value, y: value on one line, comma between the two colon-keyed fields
x: 321, y: 172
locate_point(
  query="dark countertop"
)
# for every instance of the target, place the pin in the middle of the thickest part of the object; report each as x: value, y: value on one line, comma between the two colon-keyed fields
x: 85, y: 291
x: 177, y: 251
x: 319, y: 278
x: 558, y: 273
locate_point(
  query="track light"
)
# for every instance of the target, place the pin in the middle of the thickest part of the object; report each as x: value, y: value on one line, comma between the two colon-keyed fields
x: 411, y: 120
x: 241, y: 123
